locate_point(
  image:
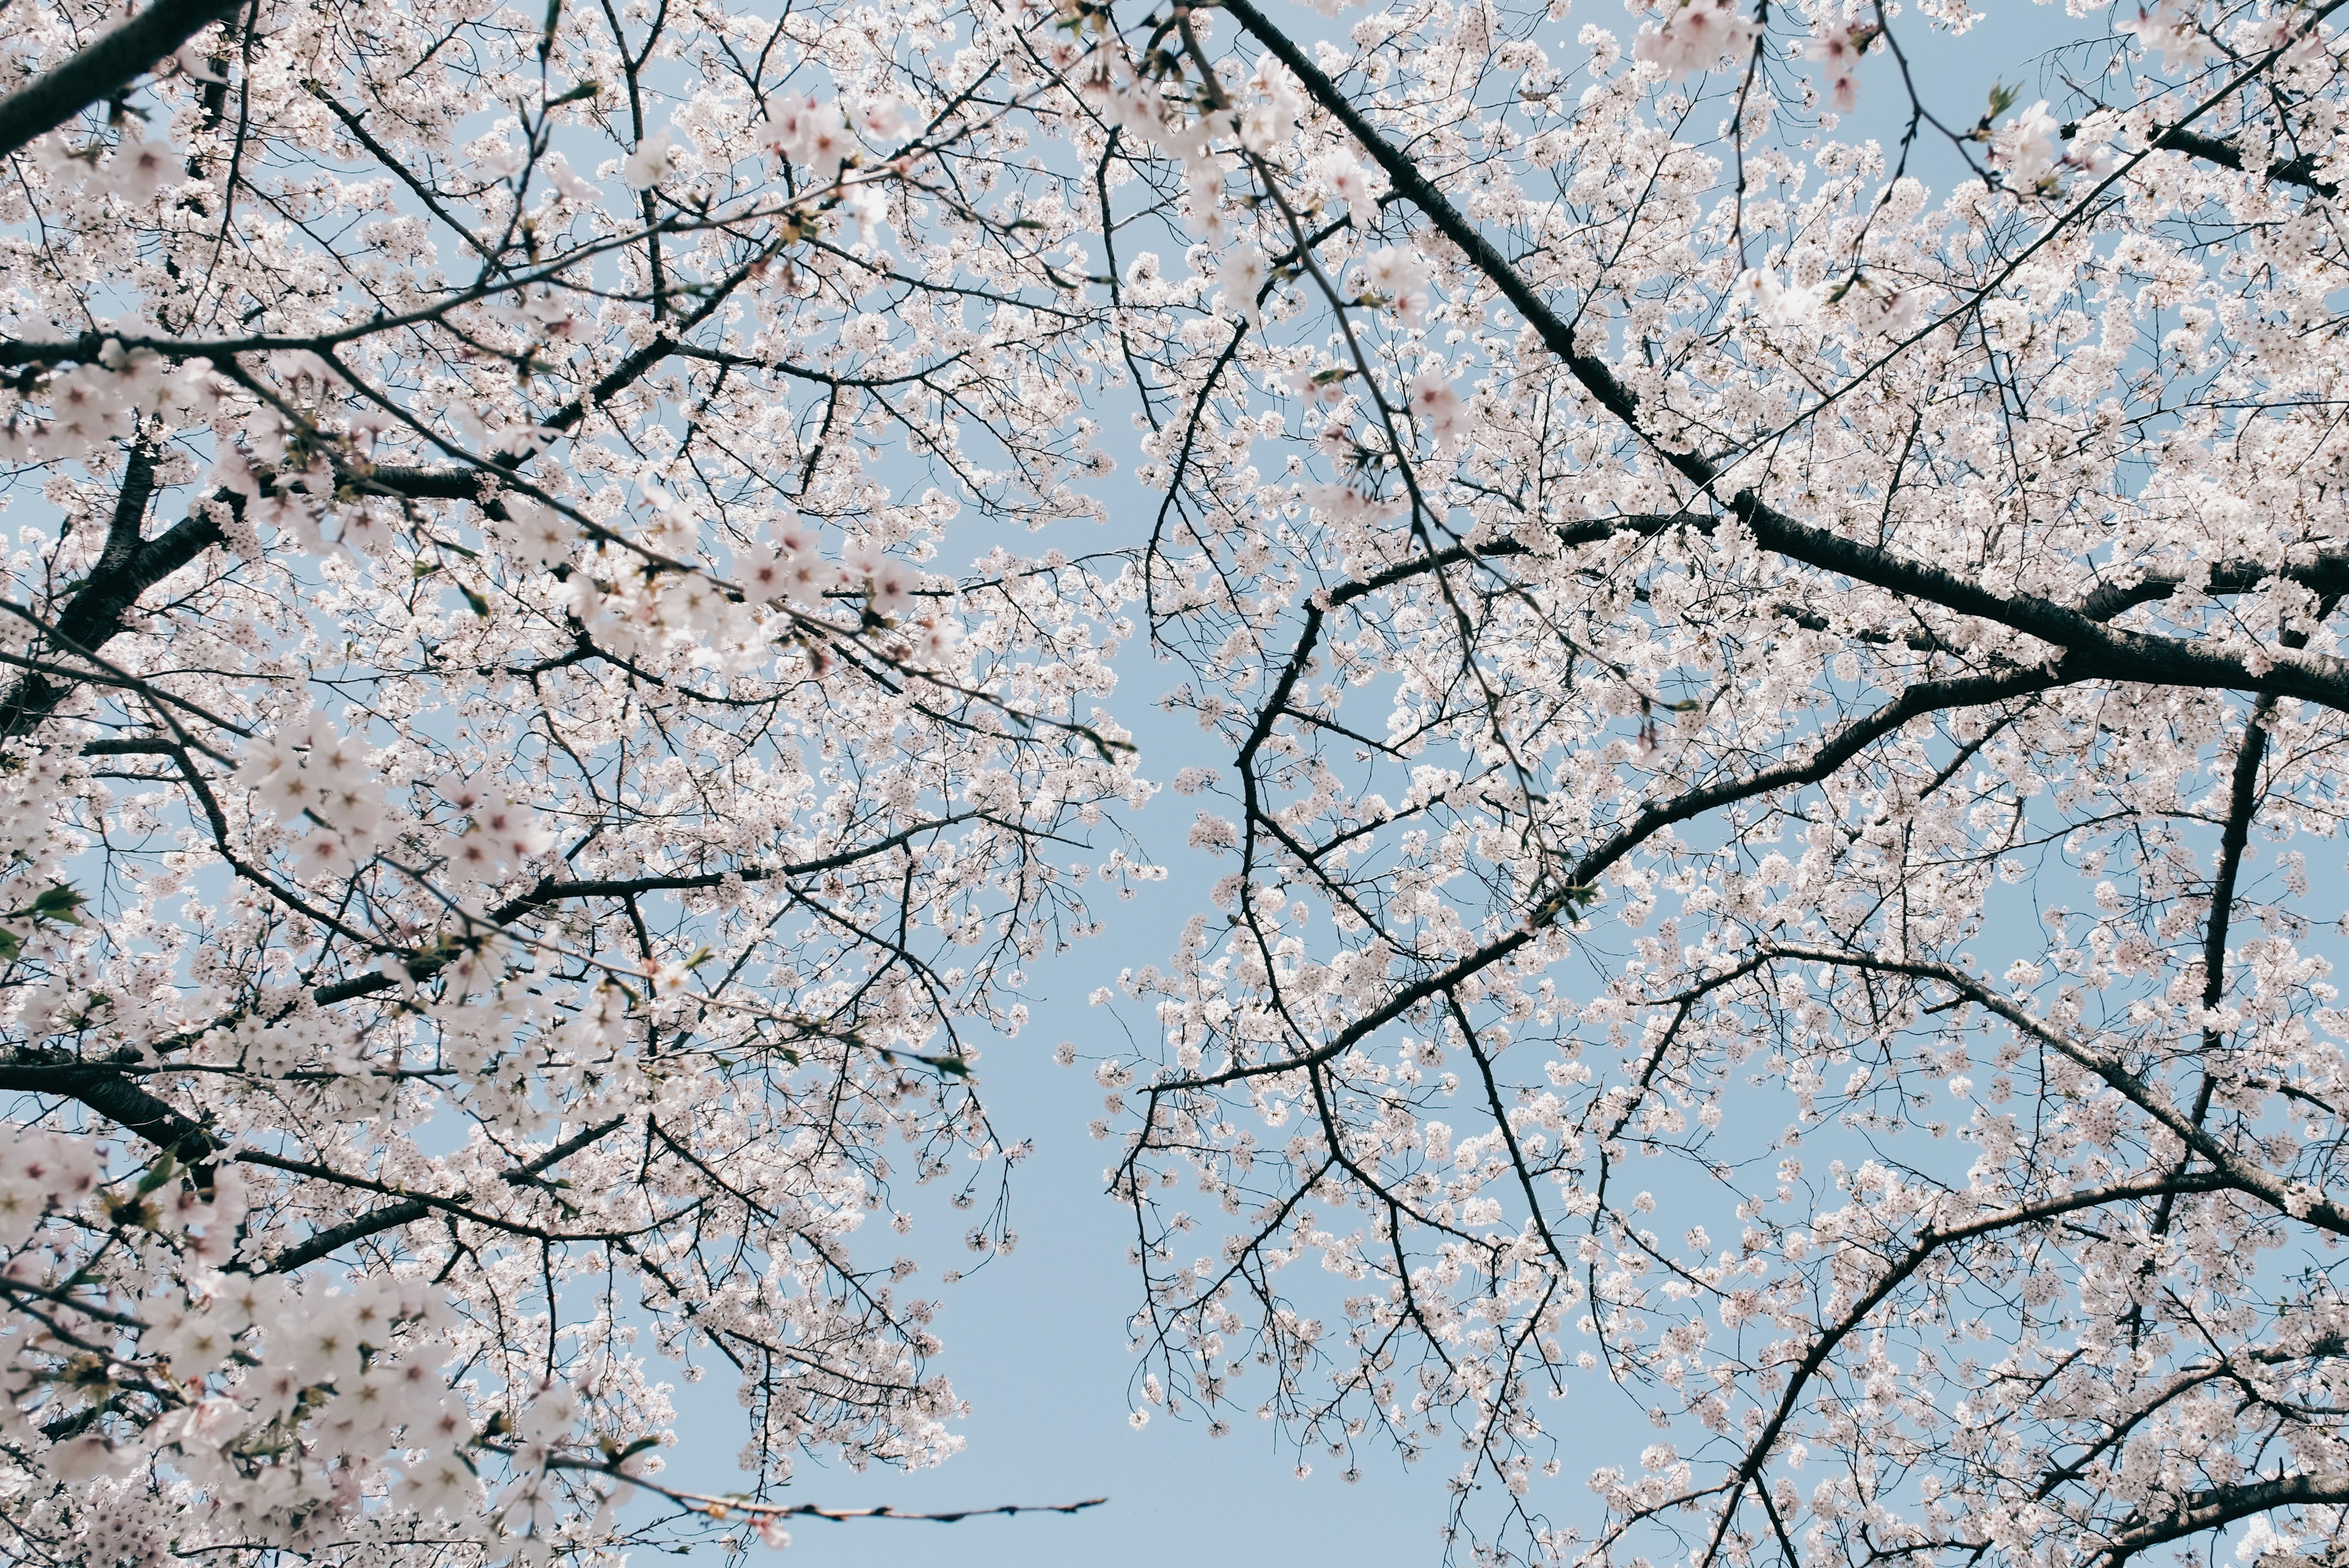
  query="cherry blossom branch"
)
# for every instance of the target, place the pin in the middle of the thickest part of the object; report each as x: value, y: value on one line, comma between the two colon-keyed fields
x: 2116, y: 655
x: 1578, y: 886
x: 94, y: 614
x: 104, y: 67
x: 391, y: 1216
x: 2300, y: 170
x: 1931, y: 1239
x: 2301, y: 1200
x: 2217, y: 1507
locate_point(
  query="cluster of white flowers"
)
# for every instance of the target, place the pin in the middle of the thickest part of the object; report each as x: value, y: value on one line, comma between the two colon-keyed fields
x: 1398, y: 279
x: 129, y: 168
x: 81, y: 409
x: 1691, y: 34
x: 294, y: 1411
x: 325, y: 785
x: 43, y: 1172
x: 501, y: 837
x: 1838, y: 50
x: 2173, y: 29
x: 2028, y: 149
x: 820, y: 137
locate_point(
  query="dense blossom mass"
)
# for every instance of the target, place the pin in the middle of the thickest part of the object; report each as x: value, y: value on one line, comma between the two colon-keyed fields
x: 1769, y: 717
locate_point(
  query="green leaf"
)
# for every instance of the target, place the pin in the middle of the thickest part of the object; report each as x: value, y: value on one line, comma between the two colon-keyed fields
x: 480, y: 605
x: 582, y: 91
x: 60, y: 903
x: 163, y: 1171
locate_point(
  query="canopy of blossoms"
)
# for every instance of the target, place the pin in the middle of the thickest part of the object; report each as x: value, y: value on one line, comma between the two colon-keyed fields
x: 1769, y: 717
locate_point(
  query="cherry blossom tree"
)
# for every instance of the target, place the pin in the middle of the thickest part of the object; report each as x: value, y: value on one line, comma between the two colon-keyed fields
x: 509, y: 834
x: 1775, y: 757
x: 1763, y: 696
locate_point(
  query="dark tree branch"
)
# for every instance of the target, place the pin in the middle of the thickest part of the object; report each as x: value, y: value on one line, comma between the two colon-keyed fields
x: 548, y: 892
x: 127, y: 569
x: 391, y: 1216
x: 103, y: 1087
x: 2300, y: 172
x: 106, y: 67
x: 2223, y: 1505
x: 1924, y: 697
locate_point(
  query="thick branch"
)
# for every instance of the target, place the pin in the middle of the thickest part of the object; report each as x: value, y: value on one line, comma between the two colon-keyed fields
x: 105, y: 69
x: 2300, y: 170
x: 95, y: 616
x: 2327, y: 573
x: 2223, y: 1505
x: 2092, y: 649
x: 104, y: 1089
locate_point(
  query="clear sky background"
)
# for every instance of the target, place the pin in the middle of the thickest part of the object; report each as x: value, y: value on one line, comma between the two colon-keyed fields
x: 1036, y: 1341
